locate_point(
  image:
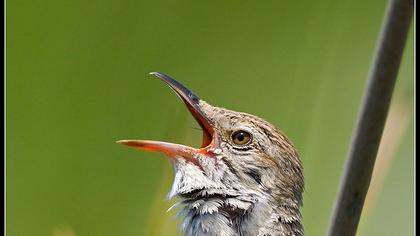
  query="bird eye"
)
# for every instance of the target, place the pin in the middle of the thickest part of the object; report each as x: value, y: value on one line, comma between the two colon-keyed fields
x: 241, y: 137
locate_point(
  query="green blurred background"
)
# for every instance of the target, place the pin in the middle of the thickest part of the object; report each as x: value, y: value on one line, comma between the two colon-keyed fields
x: 77, y: 81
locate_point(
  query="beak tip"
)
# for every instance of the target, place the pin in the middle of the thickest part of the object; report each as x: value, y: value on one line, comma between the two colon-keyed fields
x: 154, y: 73
x: 167, y: 79
x: 130, y: 143
x: 121, y: 141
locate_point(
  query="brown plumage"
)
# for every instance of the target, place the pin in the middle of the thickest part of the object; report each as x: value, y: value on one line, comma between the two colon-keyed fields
x: 245, y: 179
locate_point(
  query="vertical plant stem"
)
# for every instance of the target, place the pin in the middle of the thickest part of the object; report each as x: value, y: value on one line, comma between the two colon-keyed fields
x: 371, y: 120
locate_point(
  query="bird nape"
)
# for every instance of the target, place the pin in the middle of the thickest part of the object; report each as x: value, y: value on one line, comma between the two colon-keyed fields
x: 246, y: 179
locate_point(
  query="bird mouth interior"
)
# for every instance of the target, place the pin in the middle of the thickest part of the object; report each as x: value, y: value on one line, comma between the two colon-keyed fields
x: 204, y: 124
x: 192, y: 102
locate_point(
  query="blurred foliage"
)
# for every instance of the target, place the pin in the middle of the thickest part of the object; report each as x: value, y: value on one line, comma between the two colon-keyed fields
x: 77, y: 81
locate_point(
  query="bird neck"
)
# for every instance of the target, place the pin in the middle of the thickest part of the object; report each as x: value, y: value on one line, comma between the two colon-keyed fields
x: 218, y: 217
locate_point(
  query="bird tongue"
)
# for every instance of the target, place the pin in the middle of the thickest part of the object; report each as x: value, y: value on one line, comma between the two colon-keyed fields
x: 192, y: 102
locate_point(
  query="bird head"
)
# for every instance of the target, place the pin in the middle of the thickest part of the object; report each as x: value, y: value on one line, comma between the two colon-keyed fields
x: 246, y: 170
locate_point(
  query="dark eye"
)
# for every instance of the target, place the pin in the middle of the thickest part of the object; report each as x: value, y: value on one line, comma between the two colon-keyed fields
x: 241, y: 137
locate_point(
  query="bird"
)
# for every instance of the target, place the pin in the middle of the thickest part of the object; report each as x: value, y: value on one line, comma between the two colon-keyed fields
x: 246, y: 178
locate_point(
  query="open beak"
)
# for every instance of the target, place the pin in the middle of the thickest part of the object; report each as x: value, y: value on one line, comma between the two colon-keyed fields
x: 192, y: 102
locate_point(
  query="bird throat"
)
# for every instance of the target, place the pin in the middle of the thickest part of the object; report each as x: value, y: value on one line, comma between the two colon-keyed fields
x: 215, y: 215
